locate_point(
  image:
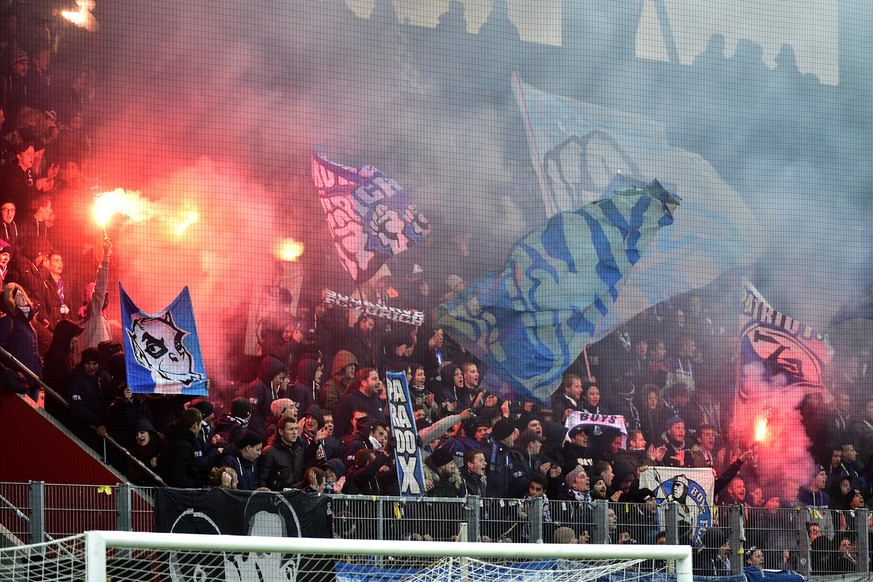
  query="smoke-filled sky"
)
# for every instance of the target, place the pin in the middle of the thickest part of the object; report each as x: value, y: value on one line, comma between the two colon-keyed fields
x: 219, y: 105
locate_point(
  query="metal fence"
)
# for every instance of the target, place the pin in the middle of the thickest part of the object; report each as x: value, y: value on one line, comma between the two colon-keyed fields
x: 807, y: 540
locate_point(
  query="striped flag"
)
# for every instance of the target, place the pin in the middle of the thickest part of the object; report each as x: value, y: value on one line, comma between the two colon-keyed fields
x: 529, y: 321
x: 579, y: 149
x: 370, y: 217
x: 162, y: 351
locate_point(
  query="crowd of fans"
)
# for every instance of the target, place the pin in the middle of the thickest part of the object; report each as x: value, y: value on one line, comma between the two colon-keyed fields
x: 315, y: 416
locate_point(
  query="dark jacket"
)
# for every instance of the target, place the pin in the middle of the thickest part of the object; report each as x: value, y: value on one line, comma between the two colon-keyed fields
x: 280, y: 465
x: 261, y: 395
x: 245, y: 470
x: 178, y: 466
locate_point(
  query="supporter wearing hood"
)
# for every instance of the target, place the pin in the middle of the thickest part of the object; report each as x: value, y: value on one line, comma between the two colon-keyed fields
x: 148, y: 446
x: 305, y: 389
x: 342, y: 372
x: 263, y: 390
x: 59, y: 361
x: 17, y: 335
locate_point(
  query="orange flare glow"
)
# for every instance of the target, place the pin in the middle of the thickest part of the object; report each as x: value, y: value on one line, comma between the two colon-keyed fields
x: 120, y: 201
x: 191, y: 217
x: 760, y: 429
x: 289, y: 250
x: 82, y: 17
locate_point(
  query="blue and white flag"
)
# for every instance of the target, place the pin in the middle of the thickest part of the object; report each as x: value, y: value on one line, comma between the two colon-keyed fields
x: 529, y: 321
x: 370, y: 217
x: 162, y: 351
x: 407, y: 455
x: 579, y: 150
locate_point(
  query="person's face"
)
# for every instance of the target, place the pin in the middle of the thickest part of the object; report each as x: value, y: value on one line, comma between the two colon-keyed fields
x: 574, y: 390
x: 592, y: 397
x: 367, y: 324
x: 143, y: 437
x: 458, y: 378
x: 310, y: 424
x: 756, y: 559
x: 707, y: 439
x: 290, y: 432
x: 288, y: 333
x: 477, y: 465
x: 641, y: 348
x: 251, y: 452
x: 7, y: 211
x: 857, y: 501
x: 599, y: 488
x: 20, y: 68
x: 535, y: 447
x: 536, y: 426
x: 582, y: 483
x: 738, y: 489
x: 358, y: 416
x: 845, y: 486
x: 850, y: 455
x: 471, y: 376
x: 278, y: 379
x: 772, y: 503
x: 615, y: 446
x: 584, y: 537
x: 419, y: 377
x: 349, y: 372
x: 535, y: 489
x: 482, y: 433
x: 25, y: 158
x: 638, y: 442
x: 660, y: 351
x: 90, y: 367
x: 42, y: 59
x: 836, y: 457
x: 677, y: 431
x: 328, y: 423
x: 814, y: 532
x: 56, y: 264
x: 757, y: 496
x: 652, y: 400
x: 581, y: 439
x: 821, y: 479
x: 5, y: 256
x: 381, y: 436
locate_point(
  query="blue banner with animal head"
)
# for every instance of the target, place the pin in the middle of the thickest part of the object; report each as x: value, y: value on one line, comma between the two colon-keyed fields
x: 162, y: 351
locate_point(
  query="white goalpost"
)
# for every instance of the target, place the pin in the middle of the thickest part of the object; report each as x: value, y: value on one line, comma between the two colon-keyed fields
x: 320, y: 558
x: 101, y: 556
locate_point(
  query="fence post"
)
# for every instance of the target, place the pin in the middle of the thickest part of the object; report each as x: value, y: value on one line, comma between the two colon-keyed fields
x: 735, y: 519
x: 601, y: 522
x: 671, y: 523
x: 863, y: 545
x: 36, y: 492
x: 123, y: 517
x: 535, y: 520
x: 804, y: 557
x: 474, y: 527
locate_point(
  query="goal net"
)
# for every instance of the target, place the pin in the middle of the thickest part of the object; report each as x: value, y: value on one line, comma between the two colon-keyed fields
x: 156, y: 557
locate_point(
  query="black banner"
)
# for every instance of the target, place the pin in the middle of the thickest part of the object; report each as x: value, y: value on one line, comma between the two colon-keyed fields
x: 232, y: 512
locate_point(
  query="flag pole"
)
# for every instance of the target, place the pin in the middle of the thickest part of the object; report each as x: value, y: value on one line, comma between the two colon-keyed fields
x: 587, y: 365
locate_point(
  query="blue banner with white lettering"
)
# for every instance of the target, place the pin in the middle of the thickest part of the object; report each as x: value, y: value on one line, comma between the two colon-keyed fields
x: 407, y: 456
x: 162, y: 351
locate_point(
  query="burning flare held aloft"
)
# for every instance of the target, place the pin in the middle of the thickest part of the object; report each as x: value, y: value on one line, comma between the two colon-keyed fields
x: 119, y: 201
x: 761, y: 425
x: 82, y: 17
x: 289, y: 250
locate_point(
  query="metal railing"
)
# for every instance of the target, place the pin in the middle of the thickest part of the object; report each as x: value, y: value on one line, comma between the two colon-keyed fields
x: 107, y: 440
x: 36, y: 511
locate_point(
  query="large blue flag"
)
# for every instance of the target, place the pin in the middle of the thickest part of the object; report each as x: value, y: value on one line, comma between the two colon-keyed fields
x: 162, y: 351
x: 529, y: 321
x: 579, y: 148
x: 369, y: 215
